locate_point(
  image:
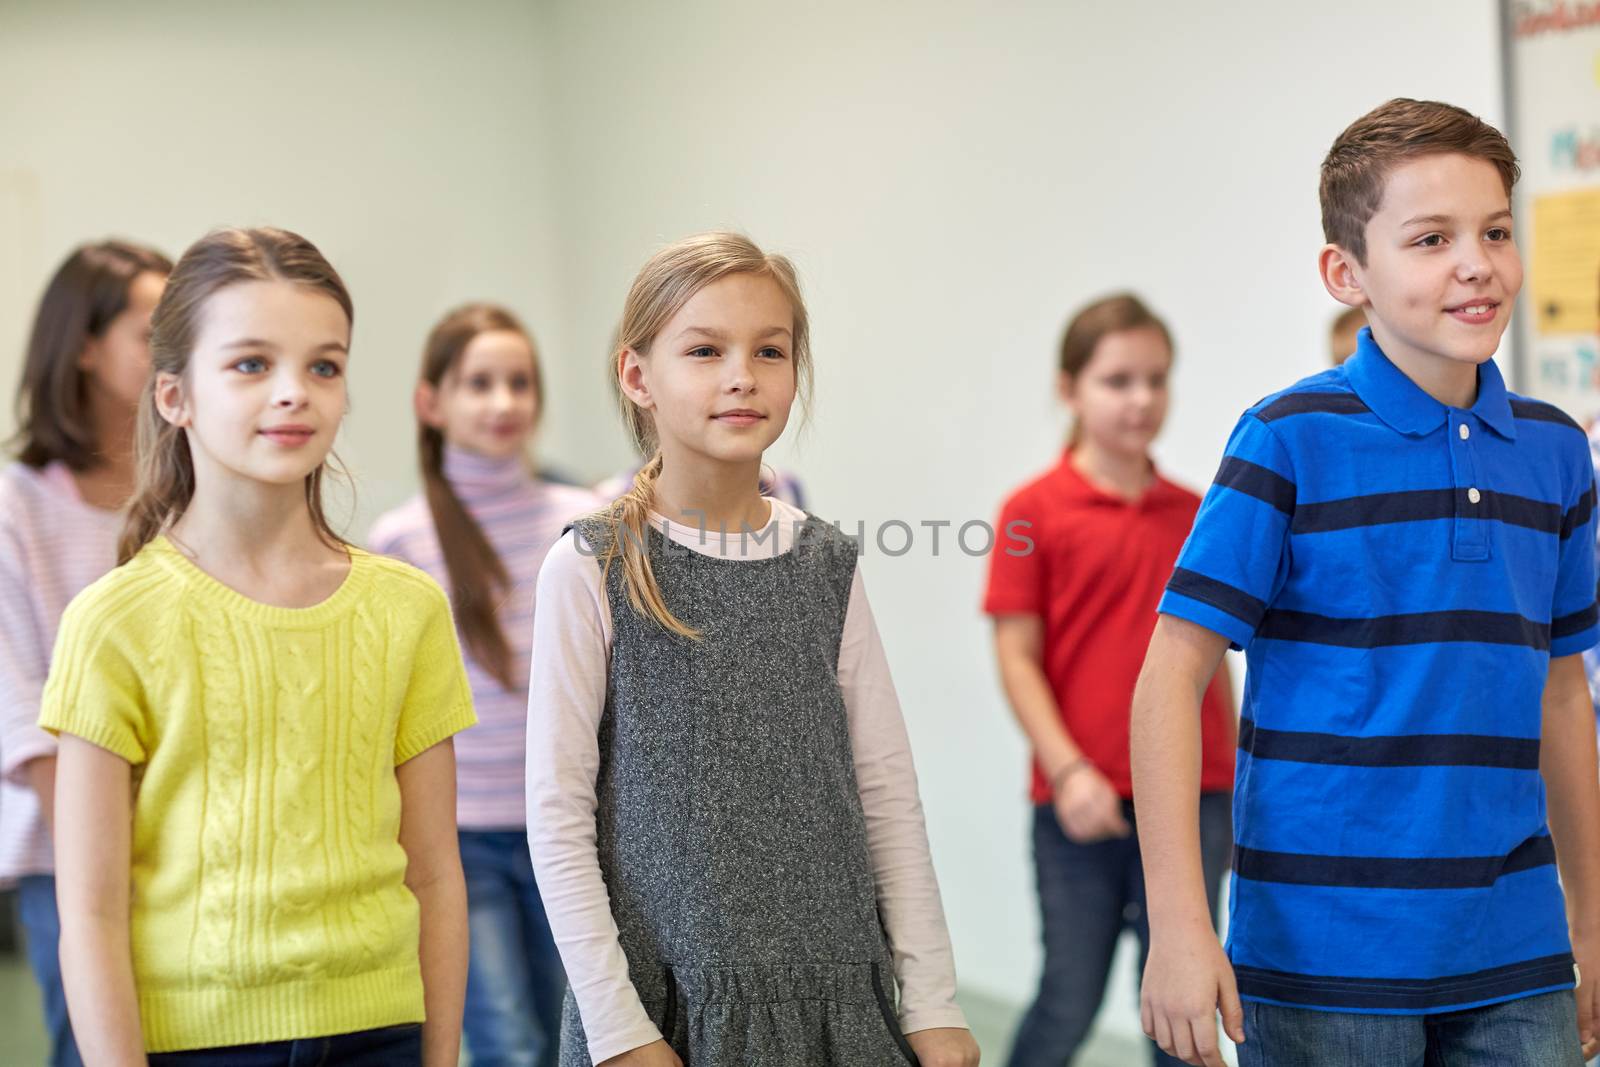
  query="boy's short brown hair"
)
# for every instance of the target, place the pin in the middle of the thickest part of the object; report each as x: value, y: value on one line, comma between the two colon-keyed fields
x: 1358, y: 164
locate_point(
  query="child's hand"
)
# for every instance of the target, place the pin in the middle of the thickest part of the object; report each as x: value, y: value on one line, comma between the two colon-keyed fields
x: 655, y: 1054
x: 944, y: 1046
x: 1088, y: 808
x: 1186, y: 980
x: 1587, y: 955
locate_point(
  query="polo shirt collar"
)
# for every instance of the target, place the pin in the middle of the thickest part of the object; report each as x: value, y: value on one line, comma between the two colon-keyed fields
x: 1079, y: 486
x: 1402, y: 403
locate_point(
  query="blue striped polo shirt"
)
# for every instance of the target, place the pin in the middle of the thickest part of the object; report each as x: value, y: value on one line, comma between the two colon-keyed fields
x: 1399, y: 574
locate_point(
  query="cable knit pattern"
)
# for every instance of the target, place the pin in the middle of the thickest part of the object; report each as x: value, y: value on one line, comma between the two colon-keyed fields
x: 222, y: 820
x: 366, y: 745
x: 269, y: 900
x: 296, y: 782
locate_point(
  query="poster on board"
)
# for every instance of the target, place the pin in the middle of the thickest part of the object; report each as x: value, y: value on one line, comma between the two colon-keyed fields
x: 1553, y: 101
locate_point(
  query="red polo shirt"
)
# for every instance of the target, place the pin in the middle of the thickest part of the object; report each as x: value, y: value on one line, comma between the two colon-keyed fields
x: 1098, y: 567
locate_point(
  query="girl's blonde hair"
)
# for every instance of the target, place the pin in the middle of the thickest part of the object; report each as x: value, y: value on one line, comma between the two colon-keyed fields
x: 478, y: 576
x: 664, y: 285
x: 219, y: 259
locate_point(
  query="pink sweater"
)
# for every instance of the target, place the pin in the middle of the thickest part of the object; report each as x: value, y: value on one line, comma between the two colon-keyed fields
x: 52, y: 545
x: 522, y: 517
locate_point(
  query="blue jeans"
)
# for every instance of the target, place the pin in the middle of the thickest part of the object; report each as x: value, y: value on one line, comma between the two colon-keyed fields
x: 1089, y: 894
x: 515, y: 983
x: 391, y: 1046
x: 1540, y: 1031
x: 41, y: 925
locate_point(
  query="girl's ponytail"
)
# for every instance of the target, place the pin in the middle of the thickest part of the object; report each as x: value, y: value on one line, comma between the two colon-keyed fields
x: 478, y: 577
x: 630, y: 518
x: 165, y: 478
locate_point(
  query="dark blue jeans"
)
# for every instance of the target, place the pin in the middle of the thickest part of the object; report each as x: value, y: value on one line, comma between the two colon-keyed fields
x: 41, y: 926
x: 1539, y: 1031
x: 1089, y: 894
x: 515, y: 983
x: 391, y: 1046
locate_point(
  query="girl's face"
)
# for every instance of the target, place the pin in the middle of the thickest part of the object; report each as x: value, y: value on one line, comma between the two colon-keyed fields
x: 486, y: 403
x: 265, y: 389
x: 116, y: 364
x: 1120, y: 396
x: 720, y: 376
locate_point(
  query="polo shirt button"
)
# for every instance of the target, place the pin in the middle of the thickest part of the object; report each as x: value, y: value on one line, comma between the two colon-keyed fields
x: 1465, y: 433
x: 1473, y: 495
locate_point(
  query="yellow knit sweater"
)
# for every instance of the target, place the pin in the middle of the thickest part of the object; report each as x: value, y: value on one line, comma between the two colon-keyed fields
x: 268, y: 893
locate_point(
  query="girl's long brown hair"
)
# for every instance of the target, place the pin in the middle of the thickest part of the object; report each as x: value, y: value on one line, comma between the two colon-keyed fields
x: 665, y: 283
x: 219, y: 259
x: 87, y: 291
x: 478, y: 577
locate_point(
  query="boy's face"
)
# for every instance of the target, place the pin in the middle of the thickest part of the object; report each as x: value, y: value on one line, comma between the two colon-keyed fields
x: 1442, y: 271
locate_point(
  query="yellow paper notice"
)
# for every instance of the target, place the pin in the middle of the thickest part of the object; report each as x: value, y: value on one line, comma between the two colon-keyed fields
x: 1564, y: 291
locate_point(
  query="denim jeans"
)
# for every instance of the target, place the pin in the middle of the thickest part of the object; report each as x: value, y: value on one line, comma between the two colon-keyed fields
x: 1539, y: 1031
x: 515, y: 983
x: 36, y: 907
x: 1089, y: 894
x: 391, y: 1046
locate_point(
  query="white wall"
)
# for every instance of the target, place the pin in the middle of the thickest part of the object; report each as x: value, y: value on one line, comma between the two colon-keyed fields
x: 951, y: 178
x: 410, y: 146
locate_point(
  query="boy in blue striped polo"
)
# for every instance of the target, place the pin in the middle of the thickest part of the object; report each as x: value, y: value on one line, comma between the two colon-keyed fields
x: 1403, y: 549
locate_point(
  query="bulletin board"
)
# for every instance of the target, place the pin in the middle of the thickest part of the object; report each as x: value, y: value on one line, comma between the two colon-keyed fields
x: 1552, y: 74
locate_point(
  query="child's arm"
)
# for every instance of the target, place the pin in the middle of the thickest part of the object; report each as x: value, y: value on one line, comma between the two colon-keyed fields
x: 1572, y: 779
x: 897, y: 839
x: 1086, y: 804
x: 566, y: 699
x: 93, y: 840
x: 1188, y: 976
x: 433, y: 874
x: 27, y: 753
x: 1567, y: 735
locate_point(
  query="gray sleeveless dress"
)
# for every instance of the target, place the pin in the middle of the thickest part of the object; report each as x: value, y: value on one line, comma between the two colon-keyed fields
x: 729, y: 825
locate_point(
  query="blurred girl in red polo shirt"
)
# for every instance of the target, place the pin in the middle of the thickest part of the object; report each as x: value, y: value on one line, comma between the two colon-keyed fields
x: 1072, y: 619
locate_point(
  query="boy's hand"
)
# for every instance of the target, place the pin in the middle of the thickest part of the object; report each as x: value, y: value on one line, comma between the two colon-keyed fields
x: 1586, y: 951
x: 1187, y: 978
x: 655, y: 1054
x: 1088, y: 808
x: 944, y: 1046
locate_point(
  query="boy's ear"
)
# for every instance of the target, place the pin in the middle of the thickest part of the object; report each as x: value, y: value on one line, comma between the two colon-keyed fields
x: 425, y: 400
x: 630, y: 377
x: 1340, y: 277
x: 169, y: 398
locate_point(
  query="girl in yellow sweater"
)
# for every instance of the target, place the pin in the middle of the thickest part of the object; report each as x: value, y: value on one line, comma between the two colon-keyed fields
x: 255, y: 828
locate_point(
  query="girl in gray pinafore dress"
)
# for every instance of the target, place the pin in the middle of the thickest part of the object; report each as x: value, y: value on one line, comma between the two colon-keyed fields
x: 698, y: 831
x: 729, y: 827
